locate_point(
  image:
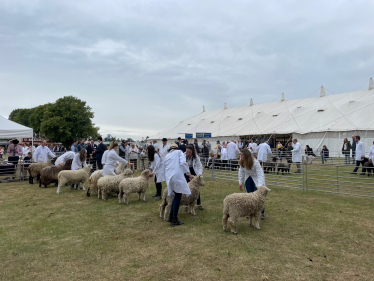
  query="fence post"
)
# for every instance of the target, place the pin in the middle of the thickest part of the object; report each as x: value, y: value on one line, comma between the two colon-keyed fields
x: 337, y: 177
x: 303, y: 174
x: 213, y: 168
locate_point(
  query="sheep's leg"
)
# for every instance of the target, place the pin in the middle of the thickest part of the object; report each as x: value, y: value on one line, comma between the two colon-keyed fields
x: 83, y: 187
x: 103, y: 195
x: 232, y: 222
x: 167, y: 211
x: 58, y: 190
x: 139, y: 196
x: 162, y: 210
x: 126, y: 198
x: 98, y: 193
x: 251, y: 220
x: 257, y: 220
x: 224, y: 221
x: 192, y: 208
x: 144, y: 197
x: 119, y: 197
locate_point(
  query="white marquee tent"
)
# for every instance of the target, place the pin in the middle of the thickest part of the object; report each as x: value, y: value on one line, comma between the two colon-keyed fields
x: 10, y: 129
x: 324, y: 120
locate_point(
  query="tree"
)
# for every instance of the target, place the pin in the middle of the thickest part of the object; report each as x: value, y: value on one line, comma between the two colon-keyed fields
x: 67, y: 119
x: 37, y: 117
x: 13, y: 114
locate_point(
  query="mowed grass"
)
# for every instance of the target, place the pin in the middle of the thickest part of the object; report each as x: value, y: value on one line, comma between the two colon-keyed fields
x: 306, y: 236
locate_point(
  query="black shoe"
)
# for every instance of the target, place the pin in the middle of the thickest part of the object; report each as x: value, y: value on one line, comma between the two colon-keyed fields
x: 175, y: 222
x: 155, y: 195
x: 158, y: 198
x: 170, y: 218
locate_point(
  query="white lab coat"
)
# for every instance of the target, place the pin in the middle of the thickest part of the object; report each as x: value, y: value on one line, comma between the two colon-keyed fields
x: 196, y: 165
x: 256, y: 173
x: 77, y: 163
x: 224, y: 155
x: 360, y: 151
x: 232, y: 149
x: 155, y: 146
x: 252, y: 147
x: 371, y: 154
x: 25, y: 150
x: 41, y: 154
x: 263, y: 151
x: 111, y: 161
x: 64, y: 157
x: 175, y: 168
x: 240, y: 145
x: 164, y: 150
x: 158, y: 168
x: 103, y: 159
x: 296, y: 153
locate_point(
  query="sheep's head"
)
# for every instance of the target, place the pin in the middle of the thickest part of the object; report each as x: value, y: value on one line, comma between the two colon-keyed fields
x: 146, y: 173
x: 199, y: 180
x: 263, y: 189
x: 87, y: 168
x: 127, y: 173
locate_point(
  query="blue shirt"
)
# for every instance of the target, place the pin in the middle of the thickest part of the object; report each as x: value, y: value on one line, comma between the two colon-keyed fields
x: 73, y: 148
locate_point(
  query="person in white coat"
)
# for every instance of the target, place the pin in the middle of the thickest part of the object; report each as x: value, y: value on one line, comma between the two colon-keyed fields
x: 79, y: 161
x: 224, y: 157
x: 195, y: 167
x: 263, y: 151
x: 232, y: 150
x: 371, y: 153
x: 61, y: 160
x: 250, y: 174
x: 252, y: 146
x: 175, y: 168
x: 25, y: 150
x: 360, y: 155
x: 105, y: 154
x: 164, y: 147
x: 296, y: 155
x: 157, y: 168
x: 42, y: 152
x: 112, y: 159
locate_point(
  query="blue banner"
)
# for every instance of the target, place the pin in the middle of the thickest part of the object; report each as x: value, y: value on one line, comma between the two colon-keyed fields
x: 188, y: 136
x: 199, y: 135
x: 207, y: 135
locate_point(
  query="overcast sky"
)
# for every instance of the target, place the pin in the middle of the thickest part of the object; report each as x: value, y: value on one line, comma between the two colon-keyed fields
x: 144, y: 65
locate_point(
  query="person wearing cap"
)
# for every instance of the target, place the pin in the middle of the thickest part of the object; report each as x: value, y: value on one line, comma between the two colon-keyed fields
x: 175, y: 168
x: 99, y: 152
x: 164, y: 148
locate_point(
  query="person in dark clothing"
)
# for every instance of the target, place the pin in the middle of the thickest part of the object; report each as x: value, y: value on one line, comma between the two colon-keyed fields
x: 309, y: 151
x: 346, y: 150
x: 205, y: 150
x: 353, y: 149
x: 197, y: 147
x: 324, y: 154
x: 288, y: 151
x: 26, y: 163
x: 182, y: 146
x: 99, y: 152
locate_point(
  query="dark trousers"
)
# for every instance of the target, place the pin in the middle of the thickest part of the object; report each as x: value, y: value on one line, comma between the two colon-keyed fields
x: 14, y: 161
x: 358, y: 165
x: 250, y: 186
x: 192, y: 172
x: 98, y: 160
x: 175, y: 205
x: 158, y: 187
x: 353, y: 156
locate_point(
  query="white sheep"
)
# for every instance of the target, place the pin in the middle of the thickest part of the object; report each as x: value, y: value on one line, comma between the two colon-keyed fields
x: 194, y: 186
x: 108, y: 184
x: 73, y: 177
x: 95, y: 176
x: 135, y: 185
x: 239, y: 205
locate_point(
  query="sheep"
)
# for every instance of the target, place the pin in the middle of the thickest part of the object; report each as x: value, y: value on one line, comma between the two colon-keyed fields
x: 284, y: 167
x: 35, y: 169
x: 239, y: 205
x: 369, y: 167
x: 73, y: 177
x: 135, y: 185
x: 108, y: 184
x: 270, y: 166
x: 50, y: 174
x: 194, y: 186
x: 95, y: 176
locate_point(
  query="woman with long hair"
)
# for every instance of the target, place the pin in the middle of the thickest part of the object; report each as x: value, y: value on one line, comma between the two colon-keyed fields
x: 112, y: 160
x: 79, y: 161
x: 195, y: 167
x: 157, y: 168
x: 175, y: 168
x: 324, y: 154
x: 250, y: 173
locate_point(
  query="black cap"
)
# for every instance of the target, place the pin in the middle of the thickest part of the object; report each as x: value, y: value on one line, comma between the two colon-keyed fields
x: 100, y: 138
x: 179, y: 138
x: 164, y: 139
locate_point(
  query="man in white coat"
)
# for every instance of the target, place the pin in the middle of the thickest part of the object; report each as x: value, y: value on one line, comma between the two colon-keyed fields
x: 252, y: 147
x: 42, y: 152
x: 164, y: 147
x: 263, y: 151
x: 175, y: 167
x: 360, y: 155
x: 296, y: 155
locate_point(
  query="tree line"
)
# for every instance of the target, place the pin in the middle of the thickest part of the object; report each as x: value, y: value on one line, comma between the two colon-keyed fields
x: 63, y: 121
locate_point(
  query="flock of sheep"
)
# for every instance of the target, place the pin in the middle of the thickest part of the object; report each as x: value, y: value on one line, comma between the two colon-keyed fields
x: 123, y: 184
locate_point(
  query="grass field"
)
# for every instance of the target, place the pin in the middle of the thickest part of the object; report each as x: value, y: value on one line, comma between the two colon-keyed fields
x: 306, y: 236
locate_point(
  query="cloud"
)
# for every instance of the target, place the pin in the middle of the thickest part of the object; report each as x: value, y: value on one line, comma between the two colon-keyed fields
x: 145, y: 65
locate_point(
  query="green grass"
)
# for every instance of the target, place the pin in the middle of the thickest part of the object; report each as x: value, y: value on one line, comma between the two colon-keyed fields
x: 306, y: 236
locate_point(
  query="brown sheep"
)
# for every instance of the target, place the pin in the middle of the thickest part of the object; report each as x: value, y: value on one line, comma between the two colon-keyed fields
x: 35, y: 169
x: 50, y: 174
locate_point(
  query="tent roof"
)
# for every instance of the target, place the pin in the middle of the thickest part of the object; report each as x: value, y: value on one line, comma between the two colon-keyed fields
x: 10, y: 129
x: 342, y: 112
